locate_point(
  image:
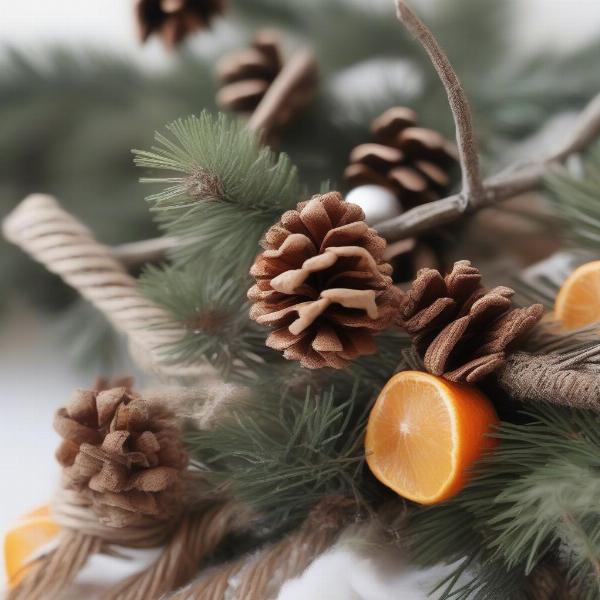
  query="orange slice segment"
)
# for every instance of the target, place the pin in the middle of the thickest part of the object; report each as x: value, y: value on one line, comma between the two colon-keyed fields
x: 424, y: 433
x: 578, y: 301
x: 24, y: 539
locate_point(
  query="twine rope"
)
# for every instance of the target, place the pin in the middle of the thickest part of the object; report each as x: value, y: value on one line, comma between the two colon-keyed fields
x: 261, y: 575
x: 189, y: 539
x: 64, y: 246
x: 196, y: 537
x: 543, y: 378
x: 54, y: 572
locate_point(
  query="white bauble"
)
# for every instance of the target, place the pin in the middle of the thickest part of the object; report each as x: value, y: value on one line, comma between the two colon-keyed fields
x: 378, y: 203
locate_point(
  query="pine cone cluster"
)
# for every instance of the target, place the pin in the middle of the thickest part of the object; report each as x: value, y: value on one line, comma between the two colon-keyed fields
x: 322, y: 284
x: 245, y: 76
x: 174, y: 20
x: 463, y: 331
x: 123, y: 454
x: 414, y: 162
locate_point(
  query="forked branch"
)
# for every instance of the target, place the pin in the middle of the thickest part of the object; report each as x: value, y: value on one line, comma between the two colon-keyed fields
x: 472, y: 187
x: 475, y: 193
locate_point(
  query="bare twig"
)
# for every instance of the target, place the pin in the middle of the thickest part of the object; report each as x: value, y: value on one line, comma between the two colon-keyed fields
x: 294, y: 72
x: 474, y: 195
x: 511, y: 182
x: 472, y: 187
x: 134, y: 254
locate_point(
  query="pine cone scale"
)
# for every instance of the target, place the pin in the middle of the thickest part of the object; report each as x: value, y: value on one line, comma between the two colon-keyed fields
x: 74, y: 431
x: 323, y: 287
x: 463, y: 331
x: 132, y: 465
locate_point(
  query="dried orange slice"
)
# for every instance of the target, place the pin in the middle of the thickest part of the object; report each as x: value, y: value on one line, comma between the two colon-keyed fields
x: 29, y: 534
x: 578, y: 301
x: 423, y: 434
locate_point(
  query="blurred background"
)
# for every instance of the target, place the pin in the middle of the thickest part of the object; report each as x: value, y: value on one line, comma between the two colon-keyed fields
x: 78, y: 91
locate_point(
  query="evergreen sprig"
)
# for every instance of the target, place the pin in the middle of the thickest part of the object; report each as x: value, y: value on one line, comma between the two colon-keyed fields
x: 214, y: 313
x: 282, y: 452
x: 533, y: 498
x: 222, y: 190
x: 576, y: 200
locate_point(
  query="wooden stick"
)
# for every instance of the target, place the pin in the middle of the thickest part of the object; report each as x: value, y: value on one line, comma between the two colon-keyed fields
x: 511, y: 182
x: 472, y: 187
x: 134, y: 254
x: 295, y: 70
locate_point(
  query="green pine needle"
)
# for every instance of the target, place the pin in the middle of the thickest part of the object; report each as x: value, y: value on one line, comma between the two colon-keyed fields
x: 222, y: 190
x: 533, y: 494
x: 282, y: 453
x: 213, y: 310
x: 577, y: 201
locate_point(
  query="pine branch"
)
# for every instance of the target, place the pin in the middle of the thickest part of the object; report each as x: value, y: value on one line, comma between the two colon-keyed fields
x: 222, y: 192
x: 213, y: 314
x: 282, y: 453
x: 535, y: 493
x: 576, y: 201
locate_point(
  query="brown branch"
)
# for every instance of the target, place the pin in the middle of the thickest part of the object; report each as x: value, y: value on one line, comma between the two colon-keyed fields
x: 294, y: 72
x: 474, y: 194
x: 516, y: 180
x: 511, y: 182
x: 472, y: 187
x: 134, y: 254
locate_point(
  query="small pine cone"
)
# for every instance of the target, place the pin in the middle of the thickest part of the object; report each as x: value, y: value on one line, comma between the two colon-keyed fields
x: 322, y: 284
x: 413, y: 162
x: 174, y: 20
x: 460, y: 329
x: 122, y: 454
x: 245, y: 76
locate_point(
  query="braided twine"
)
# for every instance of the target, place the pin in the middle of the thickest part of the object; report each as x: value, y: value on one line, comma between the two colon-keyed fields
x: 188, y: 540
x: 53, y: 237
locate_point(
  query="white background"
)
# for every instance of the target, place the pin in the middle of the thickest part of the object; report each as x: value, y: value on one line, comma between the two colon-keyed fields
x: 34, y: 378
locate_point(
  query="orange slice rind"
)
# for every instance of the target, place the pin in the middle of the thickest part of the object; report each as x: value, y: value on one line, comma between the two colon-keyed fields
x: 424, y: 433
x: 578, y: 301
x: 25, y: 539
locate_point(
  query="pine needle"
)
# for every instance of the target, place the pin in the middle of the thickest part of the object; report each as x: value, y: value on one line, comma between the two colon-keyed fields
x: 535, y: 493
x: 221, y: 189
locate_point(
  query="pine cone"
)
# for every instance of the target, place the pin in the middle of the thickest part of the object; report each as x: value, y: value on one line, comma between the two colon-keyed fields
x: 460, y: 329
x: 411, y: 161
x: 321, y: 282
x: 174, y: 20
x: 123, y: 454
x: 246, y: 75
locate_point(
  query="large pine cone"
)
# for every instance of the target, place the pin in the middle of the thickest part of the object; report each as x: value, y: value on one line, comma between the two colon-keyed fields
x: 123, y: 454
x: 461, y: 330
x: 246, y: 75
x: 174, y: 20
x: 413, y: 162
x: 321, y: 282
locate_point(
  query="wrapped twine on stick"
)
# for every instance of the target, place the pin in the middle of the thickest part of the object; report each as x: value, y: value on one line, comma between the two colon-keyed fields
x: 552, y: 378
x: 64, y: 246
